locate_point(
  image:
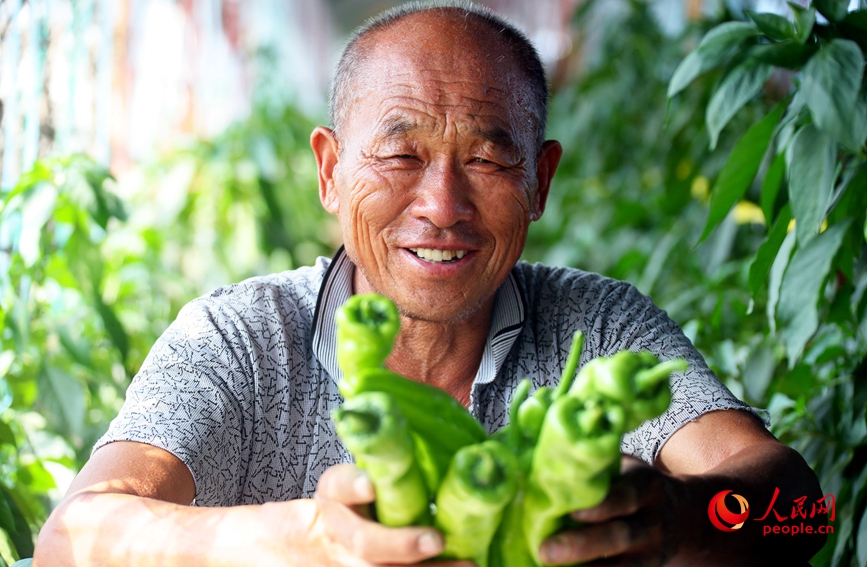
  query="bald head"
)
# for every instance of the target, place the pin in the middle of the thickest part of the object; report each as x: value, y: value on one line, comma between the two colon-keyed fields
x: 473, y: 31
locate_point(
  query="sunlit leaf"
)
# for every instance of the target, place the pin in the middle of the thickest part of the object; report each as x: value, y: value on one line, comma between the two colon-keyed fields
x: 810, y: 159
x: 740, y: 168
x: 7, y: 549
x: 35, y: 212
x: 715, y: 47
x: 739, y: 86
x: 805, y: 19
x: 830, y: 82
x: 834, y: 10
x: 801, y: 289
x: 774, y: 26
x: 767, y: 252
x: 113, y: 327
x: 22, y: 538
x: 7, y: 520
x: 63, y: 397
x: 77, y: 349
x: 36, y: 478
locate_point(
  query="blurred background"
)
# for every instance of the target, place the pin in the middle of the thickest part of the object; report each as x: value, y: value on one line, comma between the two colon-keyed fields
x: 153, y: 150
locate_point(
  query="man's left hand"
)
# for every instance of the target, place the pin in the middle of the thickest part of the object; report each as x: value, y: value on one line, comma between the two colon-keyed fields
x: 634, y: 525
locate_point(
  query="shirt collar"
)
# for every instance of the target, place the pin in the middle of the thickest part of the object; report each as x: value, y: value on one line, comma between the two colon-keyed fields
x: 508, y: 319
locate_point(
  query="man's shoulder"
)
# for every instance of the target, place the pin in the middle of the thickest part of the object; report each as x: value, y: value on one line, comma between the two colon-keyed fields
x: 291, y: 291
x: 549, y: 282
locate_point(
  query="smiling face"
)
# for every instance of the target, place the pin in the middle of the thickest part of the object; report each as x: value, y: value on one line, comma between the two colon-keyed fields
x: 434, y: 173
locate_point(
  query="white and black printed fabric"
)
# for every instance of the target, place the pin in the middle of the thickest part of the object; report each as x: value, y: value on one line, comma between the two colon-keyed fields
x: 241, y: 385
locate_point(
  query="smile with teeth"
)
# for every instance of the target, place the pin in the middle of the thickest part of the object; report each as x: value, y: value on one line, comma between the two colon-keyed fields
x: 433, y: 255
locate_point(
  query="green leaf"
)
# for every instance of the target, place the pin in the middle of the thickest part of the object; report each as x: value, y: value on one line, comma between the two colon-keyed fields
x: 63, y: 399
x: 854, y: 27
x: 861, y: 540
x: 7, y: 520
x: 805, y: 19
x: 798, y: 312
x: 771, y: 187
x: 739, y: 86
x: 759, y: 371
x: 35, y: 212
x: 113, y: 326
x: 772, y: 25
x: 857, y: 19
x: 810, y: 160
x: 7, y: 549
x: 22, y: 538
x: 685, y: 73
x: 78, y: 349
x: 775, y: 280
x: 39, y: 173
x: 831, y: 81
x: 740, y: 168
x: 715, y: 47
x: 7, y: 436
x: 834, y: 10
x: 768, y: 251
x: 788, y: 54
x: 798, y: 383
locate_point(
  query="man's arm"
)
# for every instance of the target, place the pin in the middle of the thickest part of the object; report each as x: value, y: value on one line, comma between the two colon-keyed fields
x: 659, y: 515
x: 129, y: 507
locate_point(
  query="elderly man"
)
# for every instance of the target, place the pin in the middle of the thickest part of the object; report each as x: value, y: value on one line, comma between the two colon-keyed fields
x: 436, y: 165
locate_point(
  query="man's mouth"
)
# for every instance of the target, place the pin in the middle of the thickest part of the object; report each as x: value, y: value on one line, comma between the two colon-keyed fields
x: 436, y: 256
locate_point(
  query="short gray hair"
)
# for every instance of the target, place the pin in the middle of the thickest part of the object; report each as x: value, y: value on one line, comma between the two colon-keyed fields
x: 515, y: 41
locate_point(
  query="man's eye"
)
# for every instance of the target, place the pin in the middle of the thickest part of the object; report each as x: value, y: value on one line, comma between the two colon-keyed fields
x: 481, y: 160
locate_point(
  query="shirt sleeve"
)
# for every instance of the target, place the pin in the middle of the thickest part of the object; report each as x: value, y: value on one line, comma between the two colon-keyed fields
x: 185, y: 399
x: 629, y: 320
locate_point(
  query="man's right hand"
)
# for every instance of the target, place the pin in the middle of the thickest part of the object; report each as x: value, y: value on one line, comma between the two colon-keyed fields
x: 349, y: 537
x: 129, y: 507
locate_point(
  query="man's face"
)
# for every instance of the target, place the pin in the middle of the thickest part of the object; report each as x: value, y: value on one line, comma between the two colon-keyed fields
x: 435, y: 178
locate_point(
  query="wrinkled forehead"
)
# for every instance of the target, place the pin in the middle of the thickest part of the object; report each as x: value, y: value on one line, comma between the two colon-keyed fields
x: 444, y: 71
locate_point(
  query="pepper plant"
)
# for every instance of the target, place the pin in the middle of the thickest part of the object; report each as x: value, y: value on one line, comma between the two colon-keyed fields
x: 804, y: 164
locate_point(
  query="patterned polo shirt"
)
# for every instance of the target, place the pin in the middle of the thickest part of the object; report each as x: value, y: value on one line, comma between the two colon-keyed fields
x: 241, y: 385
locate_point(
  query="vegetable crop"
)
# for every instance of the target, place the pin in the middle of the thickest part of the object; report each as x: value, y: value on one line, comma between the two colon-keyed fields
x: 495, y: 498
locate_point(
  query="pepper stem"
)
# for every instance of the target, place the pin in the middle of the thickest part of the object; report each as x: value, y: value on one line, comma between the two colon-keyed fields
x: 651, y: 378
x: 571, y: 364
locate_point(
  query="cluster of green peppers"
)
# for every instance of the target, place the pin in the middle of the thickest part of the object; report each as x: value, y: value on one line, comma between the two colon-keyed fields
x: 497, y: 498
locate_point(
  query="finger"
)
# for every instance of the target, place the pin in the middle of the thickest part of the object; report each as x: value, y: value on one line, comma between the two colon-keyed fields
x: 375, y: 543
x: 347, y: 484
x: 596, y: 541
x: 635, y: 486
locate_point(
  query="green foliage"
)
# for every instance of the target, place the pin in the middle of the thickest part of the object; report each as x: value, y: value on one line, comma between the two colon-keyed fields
x: 770, y: 113
x: 88, y: 281
x: 815, y: 292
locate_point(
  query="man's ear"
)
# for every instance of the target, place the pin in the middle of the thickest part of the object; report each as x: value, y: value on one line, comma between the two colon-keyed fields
x: 546, y: 165
x: 327, y: 152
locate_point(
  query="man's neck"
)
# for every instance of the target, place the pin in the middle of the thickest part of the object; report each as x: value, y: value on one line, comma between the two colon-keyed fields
x: 443, y: 354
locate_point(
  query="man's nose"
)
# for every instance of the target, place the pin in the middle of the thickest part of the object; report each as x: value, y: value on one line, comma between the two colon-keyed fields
x: 443, y: 195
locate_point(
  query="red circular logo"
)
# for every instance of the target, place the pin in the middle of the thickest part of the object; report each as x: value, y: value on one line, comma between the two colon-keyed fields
x: 724, y: 519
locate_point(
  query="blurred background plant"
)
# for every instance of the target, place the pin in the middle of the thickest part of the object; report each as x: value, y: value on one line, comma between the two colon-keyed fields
x: 94, y: 266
